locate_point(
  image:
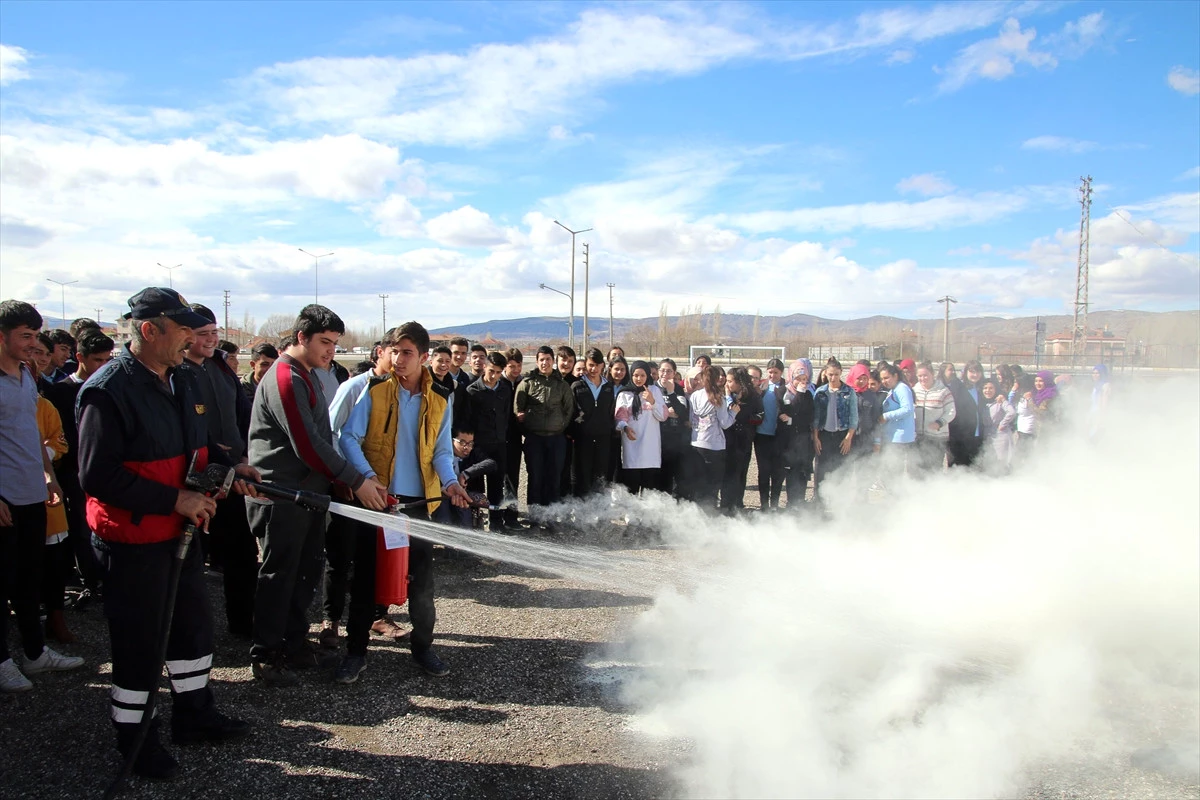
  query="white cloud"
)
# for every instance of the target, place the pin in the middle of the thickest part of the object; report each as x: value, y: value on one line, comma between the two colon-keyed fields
x: 995, y: 59
x: 927, y: 184
x: 1059, y: 143
x: 499, y: 90
x: 397, y: 216
x: 465, y: 227
x: 936, y: 213
x: 12, y: 61
x: 998, y: 58
x: 1190, y: 175
x: 903, y: 56
x: 1184, y: 80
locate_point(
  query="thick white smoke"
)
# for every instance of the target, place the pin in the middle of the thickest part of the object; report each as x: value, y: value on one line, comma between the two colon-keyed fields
x: 966, y: 637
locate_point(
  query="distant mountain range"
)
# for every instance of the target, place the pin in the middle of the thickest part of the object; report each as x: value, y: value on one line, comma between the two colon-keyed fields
x: 1177, y: 326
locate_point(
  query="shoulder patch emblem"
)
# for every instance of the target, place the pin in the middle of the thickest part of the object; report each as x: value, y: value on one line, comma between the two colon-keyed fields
x: 201, y: 408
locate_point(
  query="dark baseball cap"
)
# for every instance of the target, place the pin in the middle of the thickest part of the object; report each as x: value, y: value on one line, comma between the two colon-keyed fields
x: 156, y: 301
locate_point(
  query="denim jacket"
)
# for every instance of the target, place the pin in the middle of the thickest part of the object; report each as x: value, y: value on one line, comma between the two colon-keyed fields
x: 847, y: 408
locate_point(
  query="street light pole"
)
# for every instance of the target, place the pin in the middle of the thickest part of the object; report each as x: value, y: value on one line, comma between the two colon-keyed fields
x: 611, y: 286
x: 315, y: 259
x: 587, y: 273
x: 571, y: 296
x: 564, y: 294
x: 384, y: 298
x: 63, y: 286
x: 170, y: 273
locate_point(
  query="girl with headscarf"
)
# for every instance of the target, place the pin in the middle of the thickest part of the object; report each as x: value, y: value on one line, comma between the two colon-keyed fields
x: 797, y: 414
x: 1045, y: 395
x: 639, y: 412
x: 859, y: 379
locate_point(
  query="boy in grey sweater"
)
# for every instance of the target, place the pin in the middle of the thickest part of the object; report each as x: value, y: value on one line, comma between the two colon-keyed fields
x: 291, y: 444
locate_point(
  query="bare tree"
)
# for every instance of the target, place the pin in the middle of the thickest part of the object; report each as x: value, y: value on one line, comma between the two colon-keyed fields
x: 276, y: 325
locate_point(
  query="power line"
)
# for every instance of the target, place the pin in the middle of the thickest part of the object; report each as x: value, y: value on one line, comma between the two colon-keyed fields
x: 1188, y: 259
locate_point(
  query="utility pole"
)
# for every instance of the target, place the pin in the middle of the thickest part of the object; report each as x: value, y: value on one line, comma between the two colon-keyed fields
x: 610, y: 316
x: 946, y: 330
x: 571, y: 338
x: 226, y: 331
x: 170, y: 273
x: 315, y: 258
x: 1079, y: 330
x: 587, y: 269
x: 63, y: 286
x: 98, y: 310
x: 384, y: 298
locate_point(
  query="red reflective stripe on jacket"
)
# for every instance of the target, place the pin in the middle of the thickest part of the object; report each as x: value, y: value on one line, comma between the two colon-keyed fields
x: 121, y: 525
x: 287, y: 396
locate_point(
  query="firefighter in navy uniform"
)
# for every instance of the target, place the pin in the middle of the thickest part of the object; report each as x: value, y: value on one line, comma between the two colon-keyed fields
x: 141, y: 421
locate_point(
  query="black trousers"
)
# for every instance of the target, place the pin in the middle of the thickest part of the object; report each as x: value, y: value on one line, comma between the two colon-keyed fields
x: 339, y: 555
x: 494, y: 482
x: 234, y: 546
x: 962, y: 452
x: 635, y: 480
x: 733, y: 478
x: 421, y: 611
x: 671, y: 476
x: 591, y: 464
x: 543, y: 461
x: 798, y: 460
x: 78, y: 533
x: 830, y: 459
x: 136, y: 580
x: 709, y: 469
x: 293, y: 547
x: 769, y: 457
x: 56, y: 562
x: 21, y: 556
x: 613, y: 473
x: 565, y: 488
x: 512, y: 464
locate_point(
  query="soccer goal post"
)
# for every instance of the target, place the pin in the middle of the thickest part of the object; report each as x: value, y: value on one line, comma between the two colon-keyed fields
x: 737, y: 353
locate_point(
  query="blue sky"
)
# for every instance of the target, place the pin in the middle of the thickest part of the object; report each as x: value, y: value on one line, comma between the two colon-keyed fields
x: 839, y: 159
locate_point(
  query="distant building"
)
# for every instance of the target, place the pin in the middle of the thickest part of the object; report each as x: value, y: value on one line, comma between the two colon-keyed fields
x: 1102, y: 344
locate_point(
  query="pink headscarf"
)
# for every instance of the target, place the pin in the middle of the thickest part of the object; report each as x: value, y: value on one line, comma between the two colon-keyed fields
x: 855, y: 373
x: 807, y: 365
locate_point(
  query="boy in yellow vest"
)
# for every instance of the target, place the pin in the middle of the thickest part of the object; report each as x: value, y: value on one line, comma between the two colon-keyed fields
x: 400, y: 433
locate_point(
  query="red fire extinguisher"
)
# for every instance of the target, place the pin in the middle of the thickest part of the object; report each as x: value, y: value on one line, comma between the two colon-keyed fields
x: 391, y: 568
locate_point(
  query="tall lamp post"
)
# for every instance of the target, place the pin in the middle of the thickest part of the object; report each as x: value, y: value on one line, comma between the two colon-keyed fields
x: 611, y: 286
x: 571, y: 296
x: 170, y: 274
x: 564, y: 294
x: 63, y: 286
x: 316, y: 259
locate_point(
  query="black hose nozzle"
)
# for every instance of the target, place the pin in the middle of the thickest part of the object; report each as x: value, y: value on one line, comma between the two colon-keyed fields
x: 210, y: 480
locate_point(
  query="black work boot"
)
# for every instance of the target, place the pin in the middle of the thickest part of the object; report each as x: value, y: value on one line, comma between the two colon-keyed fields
x: 153, y: 760
x: 208, y: 725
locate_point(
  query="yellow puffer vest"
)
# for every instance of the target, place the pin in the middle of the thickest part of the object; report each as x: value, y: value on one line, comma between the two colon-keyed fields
x: 379, y: 444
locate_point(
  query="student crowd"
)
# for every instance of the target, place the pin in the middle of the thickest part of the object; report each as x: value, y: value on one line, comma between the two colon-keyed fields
x: 428, y: 429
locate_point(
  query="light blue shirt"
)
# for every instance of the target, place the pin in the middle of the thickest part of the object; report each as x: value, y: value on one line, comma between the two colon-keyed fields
x: 406, y: 471
x: 343, y: 402
x: 770, y: 411
x: 595, y: 390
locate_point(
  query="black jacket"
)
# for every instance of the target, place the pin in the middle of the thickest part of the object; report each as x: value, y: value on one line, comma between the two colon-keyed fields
x: 740, y: 435
x: 490, y: 410
x: 594, y: 417
x: 969, y: 414
x: 63, y: 395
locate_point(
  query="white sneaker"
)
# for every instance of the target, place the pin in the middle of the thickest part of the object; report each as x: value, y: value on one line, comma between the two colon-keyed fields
x: 11, y: 679
x: 51, y: 661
